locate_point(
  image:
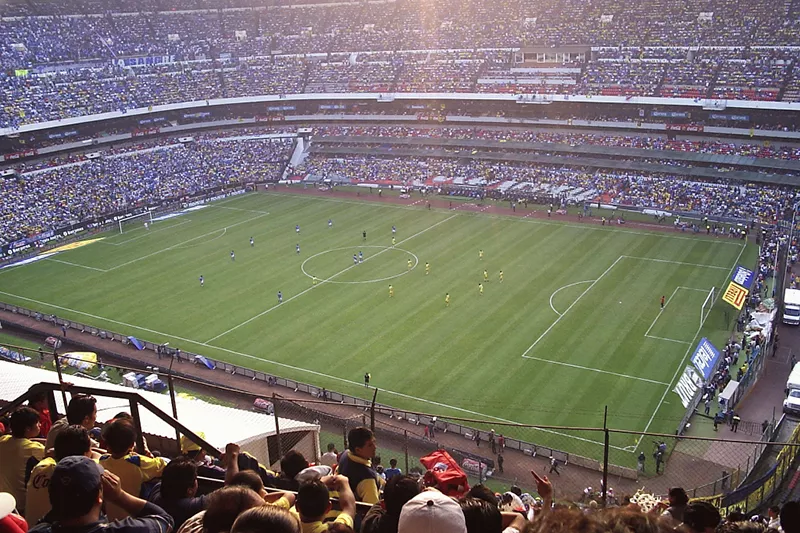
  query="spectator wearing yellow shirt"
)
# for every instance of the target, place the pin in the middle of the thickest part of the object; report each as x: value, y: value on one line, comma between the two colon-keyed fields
x: 132, y: 469
x: 19, y: 454
x: 314, y: 501
x: 72, y: 440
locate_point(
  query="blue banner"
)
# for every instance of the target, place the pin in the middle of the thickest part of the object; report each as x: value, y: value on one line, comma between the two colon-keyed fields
x: 743, y: 277
x: 705, y: 357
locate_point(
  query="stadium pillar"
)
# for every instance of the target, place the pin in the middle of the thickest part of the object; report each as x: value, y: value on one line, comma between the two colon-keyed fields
x: 605, y: 456
x: 60, y: 377
x: 172, y: 399
x: 277, y: 425
x: 372, y: 411
x: 137, y: 421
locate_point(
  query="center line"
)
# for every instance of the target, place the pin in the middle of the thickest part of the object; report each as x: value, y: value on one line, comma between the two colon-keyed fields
x: 322, y: 282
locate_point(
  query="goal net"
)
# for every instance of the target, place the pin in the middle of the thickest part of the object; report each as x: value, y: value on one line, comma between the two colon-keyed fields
x: 708, y: 304
x: 130, y: 222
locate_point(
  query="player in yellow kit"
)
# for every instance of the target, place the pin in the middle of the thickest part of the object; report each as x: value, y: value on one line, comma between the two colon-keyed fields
x: 480, y: 289
x: 409, y: 264
x: 391, y: 291
x: 447, y: 300
x: 314, y: 280
x: 393, y: 241
x: 480, y: 254
x: 501, y: 276
x: 485, y: 275
x: 427, y: 268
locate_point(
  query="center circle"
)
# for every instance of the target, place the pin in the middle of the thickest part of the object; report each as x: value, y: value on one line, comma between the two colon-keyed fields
x: 351, y: 248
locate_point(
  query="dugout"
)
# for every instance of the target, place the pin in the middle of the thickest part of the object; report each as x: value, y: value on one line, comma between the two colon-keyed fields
x: 255, y: 432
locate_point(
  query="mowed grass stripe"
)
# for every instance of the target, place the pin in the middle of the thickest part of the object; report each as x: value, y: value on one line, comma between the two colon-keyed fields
x: 466, y: 356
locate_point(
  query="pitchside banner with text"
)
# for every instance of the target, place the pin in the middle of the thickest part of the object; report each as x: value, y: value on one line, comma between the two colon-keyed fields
x: 688, y: 385
x: 743, y: 277
x: 705, y: 357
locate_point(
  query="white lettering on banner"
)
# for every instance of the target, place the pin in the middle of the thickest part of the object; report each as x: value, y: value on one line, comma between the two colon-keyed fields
x: 705, y: 357
x: 688, y: 385
x: 741, y: 276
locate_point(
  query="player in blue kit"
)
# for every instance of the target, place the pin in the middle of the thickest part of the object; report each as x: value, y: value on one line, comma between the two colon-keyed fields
x: 233, y: 256
x: 360, y: 256
x: 355, y: 259
x: 280, y: 297
x: 297, y: 247
x: 297, y: 228
x: 252, y: 242
x: 202, y: 281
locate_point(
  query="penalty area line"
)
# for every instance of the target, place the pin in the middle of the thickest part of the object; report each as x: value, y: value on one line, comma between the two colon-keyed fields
x: 300, y: 369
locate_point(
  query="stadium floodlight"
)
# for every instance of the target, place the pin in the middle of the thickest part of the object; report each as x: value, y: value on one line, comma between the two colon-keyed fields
x: 708, y: 304
x: 124, y: 222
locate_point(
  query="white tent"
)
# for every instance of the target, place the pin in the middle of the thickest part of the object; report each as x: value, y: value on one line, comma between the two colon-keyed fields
x: 220, y: 424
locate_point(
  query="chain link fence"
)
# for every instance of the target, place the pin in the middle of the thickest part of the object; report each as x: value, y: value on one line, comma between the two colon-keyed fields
x: 496, y: 454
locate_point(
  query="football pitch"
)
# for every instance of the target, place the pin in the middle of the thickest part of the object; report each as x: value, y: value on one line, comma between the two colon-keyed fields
x: 575, y: 324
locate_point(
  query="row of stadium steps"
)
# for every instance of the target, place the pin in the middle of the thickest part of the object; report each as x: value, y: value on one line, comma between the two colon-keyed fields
x: 710, y: 90
x: 787, y: 82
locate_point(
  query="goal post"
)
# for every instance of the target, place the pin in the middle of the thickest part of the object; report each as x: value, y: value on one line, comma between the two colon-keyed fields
x: 708, y: 304
x: 132, y: 220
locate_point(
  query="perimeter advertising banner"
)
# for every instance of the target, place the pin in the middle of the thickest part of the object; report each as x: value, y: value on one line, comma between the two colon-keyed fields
x: 705, y: 357
x: 688, y: 385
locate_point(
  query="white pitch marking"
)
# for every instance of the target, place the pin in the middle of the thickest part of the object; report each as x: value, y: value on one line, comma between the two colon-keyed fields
x: 674, y: 262
x: 259, y: 315
x: 149, y: 232
x: 666, y: 339
x: 565, y: 287
x: 589, y: 227
x: 525, y: 353
x: 362, y: 282
x: 184, y: 242
x: 299, y: 369
x: 75, y: 264
x: 579, y: 367
x: 680, y: 366
x: 647, y: 333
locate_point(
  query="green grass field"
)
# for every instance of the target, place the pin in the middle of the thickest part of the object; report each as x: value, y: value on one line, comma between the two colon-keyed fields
x: 574, y: 326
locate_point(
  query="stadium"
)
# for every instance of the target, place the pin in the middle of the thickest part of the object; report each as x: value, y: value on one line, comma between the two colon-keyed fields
x: 541, y: 256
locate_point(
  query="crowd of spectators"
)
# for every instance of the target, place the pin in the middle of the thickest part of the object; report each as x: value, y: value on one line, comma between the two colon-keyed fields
x: 654, y: 191
x: 56, y: 196
x: 746, y: 149
x: 213, y: 54
x: 76, y: 484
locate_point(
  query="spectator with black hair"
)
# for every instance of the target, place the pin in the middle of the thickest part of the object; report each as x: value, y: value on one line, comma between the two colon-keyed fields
x: 251, y: 480
x: 356, y: 465
x: 133, y: 469
x: 330, y: 457
x: 292, y: 463
x: 790, y: 517
x: 678, y: 499
x: 383, y: 516
x: 79, y: 487
x: 774, y: 515
x: 176, y: 493
x: 700, y: 517
x: 482, y: 492
x: 39, y: 402
x: 73, y: 440
x: 224, y: 506
x: 314, y: 502
x: 481, y: 516
x: 392, y: 471
x: 82, y: 411
x: 266, y: 518
x: 19, y: 454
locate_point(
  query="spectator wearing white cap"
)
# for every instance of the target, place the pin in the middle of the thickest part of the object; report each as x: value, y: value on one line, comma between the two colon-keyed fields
x: 430, y: 511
